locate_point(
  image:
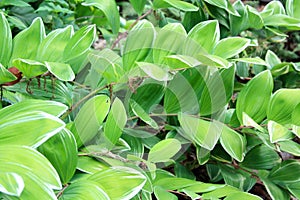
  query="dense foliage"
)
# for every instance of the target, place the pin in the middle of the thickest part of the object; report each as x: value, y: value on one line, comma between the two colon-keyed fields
x: 139, y: 99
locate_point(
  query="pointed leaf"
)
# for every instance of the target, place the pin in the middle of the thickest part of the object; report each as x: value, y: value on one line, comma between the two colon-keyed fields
x: 138, y: 5
x: 272, y: 59
x: 154, y: 71
x: 5, y: 75
x: 164, y: 150
x: 162, y: 194
x: 292, y: 8
x: 29, y: 68
x: 6, y: 40
x: 11, y: 183
x: 181, y: 61
x: 278, y: 132
x: 62, y: 71
x: 286, y: 172
x: 181, y: 5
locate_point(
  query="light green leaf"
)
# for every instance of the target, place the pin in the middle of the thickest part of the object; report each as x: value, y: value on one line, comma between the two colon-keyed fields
x: 255, y: 61
x: 156, y: 72
x: 255, y: 20
x: 290, y: 146
x: 110, y: 10
x: 29, y: 68
x: 138, y: 5
x: 52, y: 47
x: 5, y: 75
x: 278, y: 132
x: 6, y: 40
x: 30, y: 105
x: 221, y: 192
x: 242, y: 195
x: 181, y: 61
x: 141, y: 113
x: 254, y: 97
x: 213, y: 61
x: 196, y: 43
x: 29, y: 128
x: 286, y: 172
x: 272, y: 8
x: 282, y: 21
x: 296, y: 115
x: 62, y: 71
x: 82, y: 190
x: 239, y: 23
x: 89, y: 165
x: 162, y: 194
x: 11, y: 183
x: 292, y: 8
x: 164, y: 150
x: 261, y: 157
x: 26, y: 43
x: 115, y: 122
x: 203, y: 133
x: 248, y: 121
x: 89, y: 118
x: 168, y: 41
x: 61, y: 151
x: 203, y: 155
x: 26, y: 161
x: 224, y: 4
x: 181, y: 5
x: 230, y: 46
x: 282, y: 105
x: 233, y: 143
x: 272, y: 59
x: 137, y: 51
x: 120, y: 183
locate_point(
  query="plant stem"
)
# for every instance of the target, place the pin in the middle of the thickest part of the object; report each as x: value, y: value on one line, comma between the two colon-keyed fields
x: 62, y: 190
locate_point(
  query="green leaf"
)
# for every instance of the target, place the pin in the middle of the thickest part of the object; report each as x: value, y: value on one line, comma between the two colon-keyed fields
x: 6, y: 40
x: 29, y: 128
x: 168, y: 41
x: 255, y: 61
x: 239, y: 23
x: 261, y: 157
x: 233, y: 143
x: 138, y: 5
x: 30, y: 105
x: 282, y: 105
x: 272, y: 59
x: 52, y: 47
x: 141, y: 113
x: 294, y: 189
x: 181, y: 61
x: 62, y: 71
x: 290, y: 146
x: 82, y: 190
x: 89, y: 165
x: 115, y: 122
x: 162, y: 194
x: 278, y: 132
x: 282, y: 20
x: 26, y: 43
x: 286, y: 172
x: 164, y: 150
x: 221, y: 192
x: 180, y: 5
x: 224, y: 4
x: 255, y: 20
x: 11, y: 183
x: 242, y: 195
x: 230, y: 46
x: 89, y: 118
x: 196, y: 43
x: 137, y: 51
x: 213, y: 61
x: 5, y: 75
x: 203, y: 133
x: 120, y: 183
x: 275, y: 191
x: 254, y: 97
x: 29, y: 68
x: 156, y: 72
x: 203, y: 155
x: 110, y: 10
x: 61, y: 151
x: 292, y: 8
x: 26, y: 161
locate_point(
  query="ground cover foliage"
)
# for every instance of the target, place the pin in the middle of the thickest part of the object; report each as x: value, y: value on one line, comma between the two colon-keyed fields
x: 162, y: 99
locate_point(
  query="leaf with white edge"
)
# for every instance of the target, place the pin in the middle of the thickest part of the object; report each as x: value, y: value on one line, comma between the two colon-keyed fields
x: 89, y: 165
x: 25, y: 160
x: 154, y: 71
x: 248, y: 121
x: 115, y: 122
x: 294, y: 189
x: 169, y: 41
x: 11, y: 183
x: 181, y: 62
x: 290, y: 147
x: 120, y: 183
x: 52, y: 47
x: 162, y: 194
x: 181, y: 5
x: 254, y: 97
x: 141, y: 113
x: 255, y: 19
x: 286, y: 172
x: 281, y: 20
x: 231, y: 46
x: 61, y: 71
x: 29, y: 128
x: 242, y: 195
x: 29, y: 105
x: 282, y: 105
x: 255, y: 61
x: 204, y: 133
x: 26, y: 43
x: 274, y: 190
x: 164, y: 150
x: 213, y: 61
x: 292, y: 8
x: 89, y: 119
x: 272, y: 59
x: 110, y: 10
x: 5, y: 75
x: 82, y: 190
x: 143, y: 32
x: 278, y: 132
x: 196, y: 43
x: 6, y: 40
x: 233, y: 143
x: 29, y: 68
